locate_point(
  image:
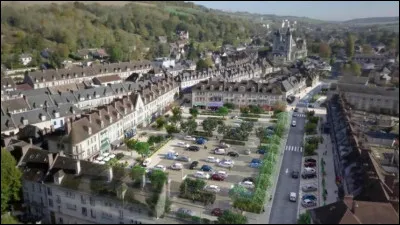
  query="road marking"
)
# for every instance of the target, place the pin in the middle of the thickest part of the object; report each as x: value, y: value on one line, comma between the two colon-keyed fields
x: 301, y: 149
x: 287, y: 170
x: 293, y: 148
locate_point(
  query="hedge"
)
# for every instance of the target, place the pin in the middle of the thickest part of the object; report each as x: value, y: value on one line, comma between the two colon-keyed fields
x: 155, y: 149
x: 249, y: 119
x: 233, y: 142
x: 201, y: 134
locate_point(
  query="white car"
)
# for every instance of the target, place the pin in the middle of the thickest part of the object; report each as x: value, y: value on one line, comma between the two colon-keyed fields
x: 212, y: 188
x: 146, y: 162
x: 212, y: 159
x: 247, y: 184
x: 201, y: 174
x: 225, y: 164
x: 219, y: 151
x: 160, y: 167
x: 222, y: 173
x: 182, y: 144
x: 176, y: 166
x: 190, y: 138
x: 292, y: 196
x: 293, y: 123
x: 309, y: 170
x: 230, y: 161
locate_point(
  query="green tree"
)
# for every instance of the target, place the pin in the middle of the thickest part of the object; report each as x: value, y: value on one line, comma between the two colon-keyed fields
x: 130, y: 144
x: 229, y: 105
x: 280, y: 106
x: 229, y: 217
x: 158, y: 179
x: 209, y: 125
x: 137, y: 173
x: 176, y: 115
x: 162, y: 50
x: 324, y: 50
x: 171, y: 129
x: 10, y: 179
x: 194, y: 112
x: 7, y: 219
x: 304, y: 218
x: 204, y: 64
x: 223, y: 111
x: 350, y: 45
x: 355, y: 68
x: 115, y: 54
x: 189, y: 127
x: 142, y: 148
x: 161, y: 121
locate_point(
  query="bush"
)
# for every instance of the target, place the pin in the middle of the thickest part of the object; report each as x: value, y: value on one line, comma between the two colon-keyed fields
x: 313, y: 119
x: 229, y: 105
x: 201, y: 134
x: 119, y: 155
x: 171, y: 129
x: 205, y: 221
x: 311, y: 128
x: 196, y: 219
x: 233, y: 142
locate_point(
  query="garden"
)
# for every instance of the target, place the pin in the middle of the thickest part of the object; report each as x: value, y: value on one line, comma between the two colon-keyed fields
x: 245, y: 200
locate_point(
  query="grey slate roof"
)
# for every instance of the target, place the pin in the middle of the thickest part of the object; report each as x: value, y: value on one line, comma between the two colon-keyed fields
x: 14, y: 104
x: 7, y: 123
x: 33, y: 116
x: 39, y: 101
x: 102, y: 91
x: 64, y: 98
x: 394, y: 92
x: 64, y: 110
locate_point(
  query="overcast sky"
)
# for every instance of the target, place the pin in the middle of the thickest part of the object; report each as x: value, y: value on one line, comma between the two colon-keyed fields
x: 329, y: 10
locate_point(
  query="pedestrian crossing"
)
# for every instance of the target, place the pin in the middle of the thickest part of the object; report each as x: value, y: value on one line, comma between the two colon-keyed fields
x: 293, y: 148
x: 299, y: 115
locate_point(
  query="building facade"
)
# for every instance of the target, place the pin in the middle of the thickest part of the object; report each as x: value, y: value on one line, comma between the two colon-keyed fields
x: 286, y: 48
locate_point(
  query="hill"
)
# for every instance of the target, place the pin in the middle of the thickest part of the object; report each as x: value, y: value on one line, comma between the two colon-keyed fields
x: 372, y: 21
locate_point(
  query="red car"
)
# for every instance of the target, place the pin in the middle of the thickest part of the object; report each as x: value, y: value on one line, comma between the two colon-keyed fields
x: 217, y: 177
x: 216, y: 212
x: 310, y: 164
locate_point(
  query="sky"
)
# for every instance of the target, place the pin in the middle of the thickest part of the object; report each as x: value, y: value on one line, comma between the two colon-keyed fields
x: 322, y: 10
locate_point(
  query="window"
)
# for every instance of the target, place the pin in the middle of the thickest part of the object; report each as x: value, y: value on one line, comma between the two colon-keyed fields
x: 93, y: 213
x: 50, y: 202
x: 92, y: 201
x: 71, y: 206
x: 84, y: 211
x: 49, y: 191
x: 83, y: 199
x: 62, y: 122
x: 70, y: 194
x: 55, y: 123
x: 58, y: 199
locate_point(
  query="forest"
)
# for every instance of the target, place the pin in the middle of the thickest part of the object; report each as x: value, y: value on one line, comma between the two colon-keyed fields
x: 125, y: 32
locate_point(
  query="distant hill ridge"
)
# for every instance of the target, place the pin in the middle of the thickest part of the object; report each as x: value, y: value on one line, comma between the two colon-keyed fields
x: 371, y: 20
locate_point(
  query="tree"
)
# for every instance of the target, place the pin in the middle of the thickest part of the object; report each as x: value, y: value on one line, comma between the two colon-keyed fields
x: 194, y: 112
x: 171, y: 129
x: 158, y: 179
x: 355, y: 68
x: 137, y: 173
x: 142, y: 148
x: 7, y: 219
x: 324, y: 50
x: 229, y: 105
x: 209, y: 125
x: 222, y: 129
x: 162, y: 50
x: 260, y: 133
x: 223, y: 111
x: 160, y: 122
x: 10, y: 179
x: 189, y: 127
x: 176, y: 114
x: 130, y: 144
x: 115, y: 53
x: 204, y: 64
x: 280, y: 106
x: 304, y: 218
x: 229, y: 217
x: 350, y: 45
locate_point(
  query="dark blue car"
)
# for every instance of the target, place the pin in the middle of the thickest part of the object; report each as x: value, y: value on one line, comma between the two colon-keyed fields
x: 261, y: 151
x: 255, y: 165
x: 206, y: 168
x: 201, y: 141
x: 309, y: 197
x: 256, y: 161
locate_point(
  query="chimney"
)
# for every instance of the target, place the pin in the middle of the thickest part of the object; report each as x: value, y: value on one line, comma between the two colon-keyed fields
x: 77, y: 167
x: 110, y: 174
x: 68, y: 126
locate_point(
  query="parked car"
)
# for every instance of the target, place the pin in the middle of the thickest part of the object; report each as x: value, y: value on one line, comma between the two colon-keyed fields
x: 190, y: 138
x: 193, y: 148
x: 271, y: 128
x: 176, y: 166
x: 251, y: 179
x: 310, y: 197
x: 160, y: 167
x: 296, y: 109
x: 247, y: 152
x: 217, y: 177
x: 255, y: 165
x: 193, y: 165
x: 292, y: 196
x: 234, y: 117
x: 201, y: 141
x: 309, y: 175
x: 219, y: 151
x: 308, y: 203
x: 228, y: 160
x: 310, y: 164
x: 256, y: 161
x: 222, y: 173
x: 224, y: 145
x: 293, y: 123
x: 146, y: 162
x: 182, y: 144
x: 201, y: 174
x: 233, y: 154
x: 184, y: 158
x: 171, y: 155
x: 212, y: 188
x: 217, y: 212
x: 247, y: 184
x: 310, y: 106
x: 225, y: 164
x: 186, y: 212
x: 310, y: 160
x: 309, y: 188
x: 212, y: 159
x: 261, y: 151
x: 309, y: 170
x: 295, y: 174
x: 206, y: 168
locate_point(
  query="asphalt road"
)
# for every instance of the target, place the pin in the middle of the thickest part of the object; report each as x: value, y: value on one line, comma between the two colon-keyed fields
x: 283, y: 211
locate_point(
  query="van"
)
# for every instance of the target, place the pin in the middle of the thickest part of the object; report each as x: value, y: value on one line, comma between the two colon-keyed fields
x: 292, y: 196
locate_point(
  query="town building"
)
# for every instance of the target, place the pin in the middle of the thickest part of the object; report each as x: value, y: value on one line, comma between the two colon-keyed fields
x: 285, y: 48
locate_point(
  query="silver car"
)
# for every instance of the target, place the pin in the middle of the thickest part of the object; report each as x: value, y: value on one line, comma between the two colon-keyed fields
x: 184, y: 158
x: 309, y: 188
x: 186, y: 211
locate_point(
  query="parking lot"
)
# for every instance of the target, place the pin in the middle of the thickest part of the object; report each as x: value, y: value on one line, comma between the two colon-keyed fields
x: 236, y: 174
x: 312, y: 181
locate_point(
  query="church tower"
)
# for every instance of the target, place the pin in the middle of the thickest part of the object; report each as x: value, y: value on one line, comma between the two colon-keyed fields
x: 289, y: 44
